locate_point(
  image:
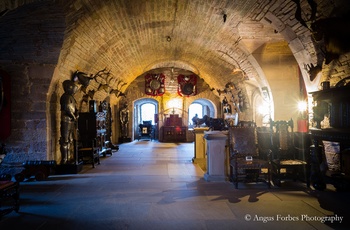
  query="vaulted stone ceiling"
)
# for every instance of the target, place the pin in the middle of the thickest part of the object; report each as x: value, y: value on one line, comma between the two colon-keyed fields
x: 215, y: 39
x: 210, y: 38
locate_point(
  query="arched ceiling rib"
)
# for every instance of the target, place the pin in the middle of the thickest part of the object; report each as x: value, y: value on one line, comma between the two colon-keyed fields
x: 129, y: 37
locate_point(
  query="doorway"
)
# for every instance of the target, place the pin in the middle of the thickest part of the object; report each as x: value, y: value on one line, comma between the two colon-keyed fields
x: 201, y: 107
x: 144, y: 111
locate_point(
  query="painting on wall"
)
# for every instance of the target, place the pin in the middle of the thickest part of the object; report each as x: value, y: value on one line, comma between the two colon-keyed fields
x: 154, y: 84
x: 187, y: 85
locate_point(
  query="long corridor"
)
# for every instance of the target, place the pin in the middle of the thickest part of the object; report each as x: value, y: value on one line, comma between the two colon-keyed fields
x: 151, y: 185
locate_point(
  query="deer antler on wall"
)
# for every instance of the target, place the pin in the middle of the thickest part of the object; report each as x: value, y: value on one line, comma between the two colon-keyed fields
x: 118, y: 91
x: 105, y: 81
x: 332, y: 33
x: 312, y: 70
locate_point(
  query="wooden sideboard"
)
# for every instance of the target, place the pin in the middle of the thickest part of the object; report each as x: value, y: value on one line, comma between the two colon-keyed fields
x: 174, y: 133
x: 173, y: 130
x: 334, y: 104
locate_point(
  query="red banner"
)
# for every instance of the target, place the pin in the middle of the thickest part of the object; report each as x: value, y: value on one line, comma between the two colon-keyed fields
x: 5, y: 105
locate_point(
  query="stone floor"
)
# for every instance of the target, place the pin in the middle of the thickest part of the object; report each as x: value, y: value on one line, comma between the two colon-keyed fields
x: 152, y: 185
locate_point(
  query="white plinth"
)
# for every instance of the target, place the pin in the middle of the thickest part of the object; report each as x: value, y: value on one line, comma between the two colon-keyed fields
x: 216, y: 155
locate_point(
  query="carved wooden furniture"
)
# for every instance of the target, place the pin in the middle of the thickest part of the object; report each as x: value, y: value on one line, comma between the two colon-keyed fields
x: 245, y: 162
x: 264, y: 136
x: 284, y: 160
x: 173, y: 131
x: 146, y: 130
x: 9, y: 196
x: 106, y: 117
x: 321, y: 174
x: 91, y: 137
x: 334, y: 104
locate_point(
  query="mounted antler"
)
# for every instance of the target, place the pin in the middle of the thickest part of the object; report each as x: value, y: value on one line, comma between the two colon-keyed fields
x: 333, y: 32
x: 118, y: 90
x: 102, y: 74
x: 312, y: 70
x: 335, y: 35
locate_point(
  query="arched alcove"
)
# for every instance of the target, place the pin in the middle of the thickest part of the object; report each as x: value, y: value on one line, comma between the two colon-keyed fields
x: 138, y: 113
x: 208, y: 108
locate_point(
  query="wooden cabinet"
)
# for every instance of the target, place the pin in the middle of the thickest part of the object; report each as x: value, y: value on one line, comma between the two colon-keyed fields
x: 92, y: 126
x: 334, y: 104
x: 92, y: 136
x: 174, y: 133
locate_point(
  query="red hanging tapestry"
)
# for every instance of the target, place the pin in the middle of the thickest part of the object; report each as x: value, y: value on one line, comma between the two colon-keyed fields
x: 187, y: 85
x: 5, y: 105
x: 154, y: 84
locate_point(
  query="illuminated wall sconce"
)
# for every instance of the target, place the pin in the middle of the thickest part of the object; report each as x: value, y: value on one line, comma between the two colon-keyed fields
x: 302, y: 106
x: 303, y: 124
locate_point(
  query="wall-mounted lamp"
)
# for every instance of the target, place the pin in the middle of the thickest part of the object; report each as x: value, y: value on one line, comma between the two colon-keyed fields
x: 168, y: 38
x: 303, y: 118
x: 302, y: 106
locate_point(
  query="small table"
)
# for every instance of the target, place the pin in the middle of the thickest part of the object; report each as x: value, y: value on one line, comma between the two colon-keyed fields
x: 9, y: 191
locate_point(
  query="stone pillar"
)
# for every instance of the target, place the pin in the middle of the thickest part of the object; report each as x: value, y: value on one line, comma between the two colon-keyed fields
x: 199, y: 145
x: 216, y: 156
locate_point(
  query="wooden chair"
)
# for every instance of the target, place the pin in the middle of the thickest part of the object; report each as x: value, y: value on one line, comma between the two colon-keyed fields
x: 88, y: 152
x: 245, y: 163
x: 284, y: 162
x: 146, y: 130
x: 264, y: 136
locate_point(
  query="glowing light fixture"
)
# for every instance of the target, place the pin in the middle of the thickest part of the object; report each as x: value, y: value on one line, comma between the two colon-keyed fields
x: 302, y: 106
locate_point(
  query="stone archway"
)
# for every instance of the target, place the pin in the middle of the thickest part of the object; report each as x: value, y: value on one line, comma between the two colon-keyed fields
x: 137, y: 113
x: 208, y: 106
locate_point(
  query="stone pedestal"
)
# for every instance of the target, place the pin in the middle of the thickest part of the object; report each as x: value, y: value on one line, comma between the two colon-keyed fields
x: 199, y: 146
x: 216, y: 156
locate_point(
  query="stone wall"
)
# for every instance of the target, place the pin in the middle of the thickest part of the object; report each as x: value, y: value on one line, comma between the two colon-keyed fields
x: 44, y: 42
x: 31, y: 38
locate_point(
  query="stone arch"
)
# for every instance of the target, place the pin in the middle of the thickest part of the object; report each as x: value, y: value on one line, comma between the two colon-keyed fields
x: 211, y: 108
x: 302, y: 55
x: 136, y: 112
